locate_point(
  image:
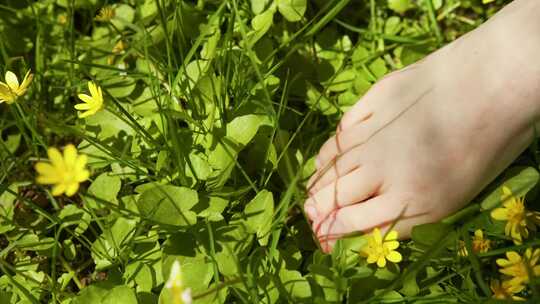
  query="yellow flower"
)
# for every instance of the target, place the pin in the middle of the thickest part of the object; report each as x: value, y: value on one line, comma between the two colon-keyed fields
x: 62, y: 19
x: 11, y: 89
x: 176, y: 286
x: 505, y: 291
x: 462, y: 249
x: 119, y: 48
x: 518, y: 267
x: 65, y: 171
x: 91, y: 104
x: 106, y: 13
x: 379, y: 250
x: 518, y: 220
x: 479, y: 244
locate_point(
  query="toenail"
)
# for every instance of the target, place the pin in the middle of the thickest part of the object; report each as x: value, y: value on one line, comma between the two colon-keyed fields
x: 311, y: 211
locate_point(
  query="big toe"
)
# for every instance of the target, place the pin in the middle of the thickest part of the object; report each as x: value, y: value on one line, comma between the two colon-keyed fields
x: 384, y: 212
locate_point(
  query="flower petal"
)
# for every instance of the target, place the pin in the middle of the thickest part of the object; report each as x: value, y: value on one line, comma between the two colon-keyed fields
x: 26, y: 81
x: 82, y: 106
x: 93, y: 89
x: 12, y: 81
x: 6, y: 94
x: 86, y: 98
x: 391, y: 236
x: 59, y: 189
x: 377, y: 235
x: 72, y: 188
x: 394, y: 257
x: 47, y: 179
x: 500, y: 214
x: 371, y: 258
x: 504, y: 262
x: 70, y: 156
x: 82, y: 175
x: 82, y: 159
x: 391, y: 245
x: 513, y: 256
x: 85, y: 114
x: 56, y: 157
x: 100, y: 93
x: 186, y: 296
x: 381, y: 262
x: 479, y: 234
x: 44, y: 168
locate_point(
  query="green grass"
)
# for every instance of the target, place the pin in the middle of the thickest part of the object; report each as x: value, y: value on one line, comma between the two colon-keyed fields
x: 214, y: 111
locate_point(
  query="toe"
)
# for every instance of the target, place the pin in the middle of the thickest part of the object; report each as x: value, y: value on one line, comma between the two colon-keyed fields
x: 360, y: 112
x: 339, y: 166
x: 345, y: 141
x: 390, y: 88
x: 358, y: 185
x: 383, y: 211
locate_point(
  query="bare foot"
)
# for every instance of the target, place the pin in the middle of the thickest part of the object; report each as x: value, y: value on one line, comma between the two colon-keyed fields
x: 425, y: 140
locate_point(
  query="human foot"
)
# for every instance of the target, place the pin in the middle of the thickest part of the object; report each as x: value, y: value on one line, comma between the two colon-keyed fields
x: 425, y: 140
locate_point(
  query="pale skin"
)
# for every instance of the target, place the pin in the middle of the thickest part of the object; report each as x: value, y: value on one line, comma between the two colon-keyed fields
x: 424, y: 141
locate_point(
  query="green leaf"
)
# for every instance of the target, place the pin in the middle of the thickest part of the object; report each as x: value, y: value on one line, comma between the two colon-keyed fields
x: 33, y: 242
x: 193, y: 72
x: 211, y: 207
x: 108, y: 247
x: 519, y: 179
x: 318, y: 101
x: 239, y: 132
x: 410, y: 286
x: 108, y: 125
x: 119, y: 87
x: 292, y: 10
x: 7, y: 209
x: 259, y: 213
x: 243, y: 128
x: 124, y: 15
x: 261, y: 24
x: 147, y: 10
x: 258, y: 6
x: 169, y: 205
x: 90, y: 295
x: 295, y: 285
x: 5, y: 296
x: 10, y: 145
x: 399, y: 6
x: 392, y: 25
x: 359, y: 56
x: 73, y: 215
x: 378, y: 68
x: 199, y: 167
x: 430, y: 234
x: 196, y: 271
x: 105, y: 188
x: 120, y: 294
x: 343, y: 81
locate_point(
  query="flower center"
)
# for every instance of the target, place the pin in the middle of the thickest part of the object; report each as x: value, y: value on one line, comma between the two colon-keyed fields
x: 68, y: 175
x: 516, y: 214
